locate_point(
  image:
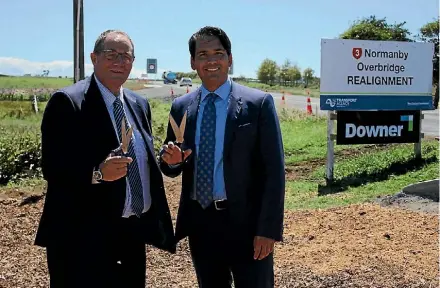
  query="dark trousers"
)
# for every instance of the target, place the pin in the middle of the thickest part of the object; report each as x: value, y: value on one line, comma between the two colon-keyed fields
x: 220, y: 254
x: 117, y: 262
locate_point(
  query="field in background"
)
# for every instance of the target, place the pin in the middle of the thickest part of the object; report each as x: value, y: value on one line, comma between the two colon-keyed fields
x: 313, y: 91
x: 361, y: 172
x: 33, y: 82
x: 23, y: 88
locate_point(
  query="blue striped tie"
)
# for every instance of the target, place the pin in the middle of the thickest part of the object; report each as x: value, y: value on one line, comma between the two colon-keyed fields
x: 205, y: 158
x: 134, y: 178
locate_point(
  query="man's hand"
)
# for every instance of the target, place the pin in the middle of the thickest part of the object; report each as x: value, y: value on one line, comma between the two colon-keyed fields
x: 262, y: 247
x: 173, y: 155
x: 114, y: 167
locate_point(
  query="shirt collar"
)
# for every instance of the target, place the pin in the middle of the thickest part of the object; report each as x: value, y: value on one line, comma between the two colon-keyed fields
x: 222, y: 91
x: 108, y: 96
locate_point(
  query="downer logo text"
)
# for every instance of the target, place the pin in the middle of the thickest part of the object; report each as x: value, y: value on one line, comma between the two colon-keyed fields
x: 351, y: 130
x: 370, y: 127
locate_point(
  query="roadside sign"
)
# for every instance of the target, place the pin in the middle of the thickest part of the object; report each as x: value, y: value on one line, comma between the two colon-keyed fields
x: 376, y: 75
x: 378, y: 127
x: 151, y: 66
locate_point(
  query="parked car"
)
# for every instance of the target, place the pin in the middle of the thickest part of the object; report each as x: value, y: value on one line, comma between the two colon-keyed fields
x: 186, y: 82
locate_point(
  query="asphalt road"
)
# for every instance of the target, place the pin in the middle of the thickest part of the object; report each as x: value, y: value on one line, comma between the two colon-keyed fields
x: 430, y: 123
x: 160, y: 90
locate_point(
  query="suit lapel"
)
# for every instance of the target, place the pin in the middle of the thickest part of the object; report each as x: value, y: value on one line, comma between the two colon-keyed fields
x: 98, y: 122
x: 234, y: 111
x: 191, y: 121
x: 136, y: 111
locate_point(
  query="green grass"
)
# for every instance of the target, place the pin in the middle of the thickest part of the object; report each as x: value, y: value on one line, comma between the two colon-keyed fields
x: 49, y: 82
x: 364, y: 177
x: 13, y: 110
x: 368, y: 164
x: 159, y: 118
x: 362, y: 172
x: 34, y: 82
x: 305, y: 137
x: 314, y: 91
x: 302, y: 195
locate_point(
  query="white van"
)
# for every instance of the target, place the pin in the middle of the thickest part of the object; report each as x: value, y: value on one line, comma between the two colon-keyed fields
x: 185, y: 82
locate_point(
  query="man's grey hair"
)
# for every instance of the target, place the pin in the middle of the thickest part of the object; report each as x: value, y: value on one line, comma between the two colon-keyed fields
x: 99, y: 44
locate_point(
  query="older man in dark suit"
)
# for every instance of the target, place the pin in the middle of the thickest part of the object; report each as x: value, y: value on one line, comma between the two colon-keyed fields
x: 232, y: 161
x: 101, y: 206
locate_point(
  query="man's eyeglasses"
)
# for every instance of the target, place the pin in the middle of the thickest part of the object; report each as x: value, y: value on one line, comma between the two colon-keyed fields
x: 112, y: 55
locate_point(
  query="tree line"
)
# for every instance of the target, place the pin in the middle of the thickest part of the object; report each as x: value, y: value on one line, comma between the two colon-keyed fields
x: 287, y: 74
x: 191, y: 75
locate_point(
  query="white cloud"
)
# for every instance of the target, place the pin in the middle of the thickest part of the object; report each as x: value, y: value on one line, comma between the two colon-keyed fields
x: 19, y: 67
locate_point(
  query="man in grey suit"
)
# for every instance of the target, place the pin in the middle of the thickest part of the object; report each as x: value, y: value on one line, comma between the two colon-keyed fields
x: 232, y: 160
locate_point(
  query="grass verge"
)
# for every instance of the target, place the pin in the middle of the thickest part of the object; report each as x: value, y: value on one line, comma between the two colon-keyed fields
x: 363, y: 178
x: 288, y: 90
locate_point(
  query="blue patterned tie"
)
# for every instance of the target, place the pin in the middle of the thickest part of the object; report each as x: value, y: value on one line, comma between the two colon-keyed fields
x: 205, y: 158
x: 134, y: 178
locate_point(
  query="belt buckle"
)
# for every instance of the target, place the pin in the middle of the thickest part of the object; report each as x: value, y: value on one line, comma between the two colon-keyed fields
x: 215, y: 205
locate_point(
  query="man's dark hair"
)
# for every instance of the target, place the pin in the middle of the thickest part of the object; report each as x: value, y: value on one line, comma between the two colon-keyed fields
x: 206, y: 32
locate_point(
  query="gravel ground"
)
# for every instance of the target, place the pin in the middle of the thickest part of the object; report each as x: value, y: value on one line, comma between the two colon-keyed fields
x: 357, y: 246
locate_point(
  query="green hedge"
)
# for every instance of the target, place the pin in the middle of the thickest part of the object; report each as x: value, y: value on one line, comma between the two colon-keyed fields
x: 20, y: 153
x: 20, y: 137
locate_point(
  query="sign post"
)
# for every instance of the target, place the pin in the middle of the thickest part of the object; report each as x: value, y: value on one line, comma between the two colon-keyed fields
x: 418, y: 144
x: 152, y: 66
x: 375, y: 87
x: 330, y: 146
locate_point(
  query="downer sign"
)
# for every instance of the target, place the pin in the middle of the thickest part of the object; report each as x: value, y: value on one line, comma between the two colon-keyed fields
x: 378, y: 127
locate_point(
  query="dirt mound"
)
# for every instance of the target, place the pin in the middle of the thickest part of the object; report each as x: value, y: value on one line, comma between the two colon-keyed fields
x: 409, y: 202
x: 358, y: 246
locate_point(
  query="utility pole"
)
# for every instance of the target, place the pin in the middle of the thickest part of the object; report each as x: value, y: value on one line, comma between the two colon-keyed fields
x: 78, y: 40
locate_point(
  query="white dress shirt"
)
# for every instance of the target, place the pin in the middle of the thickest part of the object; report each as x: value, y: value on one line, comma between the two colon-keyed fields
x: 139, y: 147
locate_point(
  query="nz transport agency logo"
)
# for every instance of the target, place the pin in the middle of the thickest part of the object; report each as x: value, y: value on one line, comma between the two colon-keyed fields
x: 357, y: 53
x: 340, y: 102
x: 409, y: 119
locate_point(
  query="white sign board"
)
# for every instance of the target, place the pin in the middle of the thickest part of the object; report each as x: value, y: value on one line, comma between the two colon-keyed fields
x: 382, y: 75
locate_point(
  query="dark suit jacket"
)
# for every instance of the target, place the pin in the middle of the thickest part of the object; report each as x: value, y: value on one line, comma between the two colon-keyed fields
x: 77, y: 135
x: 253, y: 163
